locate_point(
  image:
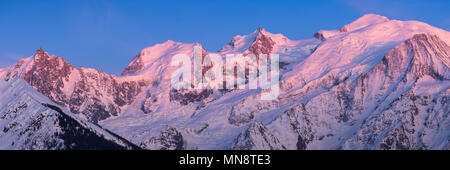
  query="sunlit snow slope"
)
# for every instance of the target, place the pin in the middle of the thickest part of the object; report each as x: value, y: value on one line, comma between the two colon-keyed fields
x: 30, y: 121
x: 374, y: 83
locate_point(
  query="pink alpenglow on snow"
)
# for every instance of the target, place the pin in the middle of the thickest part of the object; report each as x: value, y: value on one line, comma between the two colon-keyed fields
x: 240, y: 71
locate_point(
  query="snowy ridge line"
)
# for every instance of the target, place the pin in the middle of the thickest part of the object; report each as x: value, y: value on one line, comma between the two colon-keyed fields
x: 374, y: 83
x: 31, y: 121
x: 121, y: 139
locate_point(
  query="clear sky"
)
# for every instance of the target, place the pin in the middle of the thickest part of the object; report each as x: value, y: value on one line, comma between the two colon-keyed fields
x: 107, y: 34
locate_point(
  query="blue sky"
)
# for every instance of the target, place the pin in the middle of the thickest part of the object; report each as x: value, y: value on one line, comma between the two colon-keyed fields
x: 107, y: 34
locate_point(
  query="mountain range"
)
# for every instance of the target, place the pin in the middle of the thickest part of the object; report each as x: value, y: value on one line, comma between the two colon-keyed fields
x: 375, y: 83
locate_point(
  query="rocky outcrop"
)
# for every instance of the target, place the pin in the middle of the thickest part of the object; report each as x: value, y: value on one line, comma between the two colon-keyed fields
x: 371, y: 85
x: 28, y: 124
x: 257, y: 137
x: 149, y: 105
x: 135, y: 65
x: 407, y: 116
x: 185, y: 97
x: 263, y: 44
x: 298, y: 121
x: 90, y: 92
x: 240, y: 117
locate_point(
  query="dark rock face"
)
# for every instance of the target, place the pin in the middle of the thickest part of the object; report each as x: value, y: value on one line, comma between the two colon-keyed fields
x: 319, y: 36
x: 50, y: 74
x: 245, y: 111
x: 417, y: 55
x: 257, y: 137
x: 31, y: 125
x: 343, y: 29
x: 262, y: 45
x: 77, y: 137
x: 169, y: 139
x: 396, y: 140
x: 149, y: 104
x: 300, y: 121
x: 123, y: 93
x: 400, y: 124
x: 240, y: 117
x: 426, y: 46
x: 232, y: 44
x: 135, y: 65
x: 385, y: 101
x: 189, y: 96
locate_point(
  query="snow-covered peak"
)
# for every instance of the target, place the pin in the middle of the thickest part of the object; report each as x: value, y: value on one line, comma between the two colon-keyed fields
x: 364, y: 21
x: 358, y: 51
x: 259, y: 41
x: 41, y: 53
x: 158, y: 54
x: 257, y: 137
x: 32, y: 121
x: 431, y: 56
x: 40, y: 60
